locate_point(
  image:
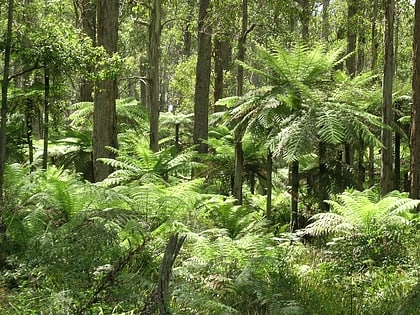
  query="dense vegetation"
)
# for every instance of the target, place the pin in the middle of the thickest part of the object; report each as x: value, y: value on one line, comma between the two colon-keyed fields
x: 280, y: 184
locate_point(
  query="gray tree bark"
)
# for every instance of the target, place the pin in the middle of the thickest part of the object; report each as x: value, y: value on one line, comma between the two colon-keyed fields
x: 4, y: 100
x: 202, y: 82
x: 104, y: 113
x: 387, y: 112
x: 415, y: 110
x: 153, y: 73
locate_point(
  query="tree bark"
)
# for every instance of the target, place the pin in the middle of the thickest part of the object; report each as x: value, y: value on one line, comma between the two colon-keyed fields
x: 239, y: 167
x: 325, y: 20
x: 415, y: 110
x: 104, y: 113
x: 153, y: 73
x: 4, y: 100
x: 374, y: 32
x: 351, y: 36
x: 221, y: 63
x: 239, y: 154
x: 159, y: 298
x: 202, y: 83
x: 387, y: 112
x: 88, y: 25
x: 323, y: 176
x: 294, y: 183
x: 46, y: 116
x: 268, y: 213
x: 305, y: 18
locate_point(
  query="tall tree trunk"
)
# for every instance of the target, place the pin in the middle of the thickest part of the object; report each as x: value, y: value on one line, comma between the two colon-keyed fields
x: 305, y: 18
x: 374, y: 35
x: 351, y: 36
x: 397, y: 149
x: 153, y: 73
x: 4, y: 100
x: 104, y: 113
x: 46, y: 115
x: 88, y: 25
x: 294, y: 183
x: 239, y: 154
x: 268, y: 213
x: 323, y: 177
x: 221, y: 63
x: 29, y: 116
x: 415, y: 110
x: 387, y: 112
x: 202, y: 83
x: 239, y: 167
x: 325, y: 32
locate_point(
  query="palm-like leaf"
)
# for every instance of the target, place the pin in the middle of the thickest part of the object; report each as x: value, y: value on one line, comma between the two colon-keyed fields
x: 361, y: 211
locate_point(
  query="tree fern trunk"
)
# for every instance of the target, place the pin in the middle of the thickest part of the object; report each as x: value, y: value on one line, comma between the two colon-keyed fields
x: 294, y: 182
x: 323, y: 176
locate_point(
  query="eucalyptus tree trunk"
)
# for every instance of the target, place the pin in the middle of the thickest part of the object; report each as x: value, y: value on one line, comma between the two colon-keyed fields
x: 415, y: 110
x: 387, y: 112
x: 374, y: 36
x: 325, y: 32
x: 222, y: 51
x: 4, y: 100
x: 373, y: 64
x: 202, y: 83
x: 46, y: 116
x: 153, y: 73
x: 104, y: 113
x: 351, y: 36
x: 305, y: 17
x: 88, y: 25
x: 239, y: 154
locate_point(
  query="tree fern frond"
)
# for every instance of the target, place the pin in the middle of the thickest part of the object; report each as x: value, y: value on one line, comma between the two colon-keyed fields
x: 328, y: 223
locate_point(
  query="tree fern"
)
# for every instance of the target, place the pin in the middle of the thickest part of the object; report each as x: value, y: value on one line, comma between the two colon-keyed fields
x: 359, y: 212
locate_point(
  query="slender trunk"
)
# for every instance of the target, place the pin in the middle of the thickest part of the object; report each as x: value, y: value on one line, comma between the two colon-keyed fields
x: 371, y: 165
x: 387, y: 113
x: 88, y: 25
x: 4, y: 101
x: 325, y: 20
x: 202, y: 84
x: 46, y: 115
x: 305, y: 18
x: 351, y: 36
x: 221, y: 63
x: 294, y: 183
x: 177, y: 140
x: 29, y: 116
x: 397, y: 149
x: 268, y: 213
x: 323, y: 177
x: 239, y: 154
x: 239, y: 167
x: 374, y: 32
x: 153, y: 74
x: 361, y: 170
x: 104, y: 113
x: 242, y: 48
x: 415, y: 110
